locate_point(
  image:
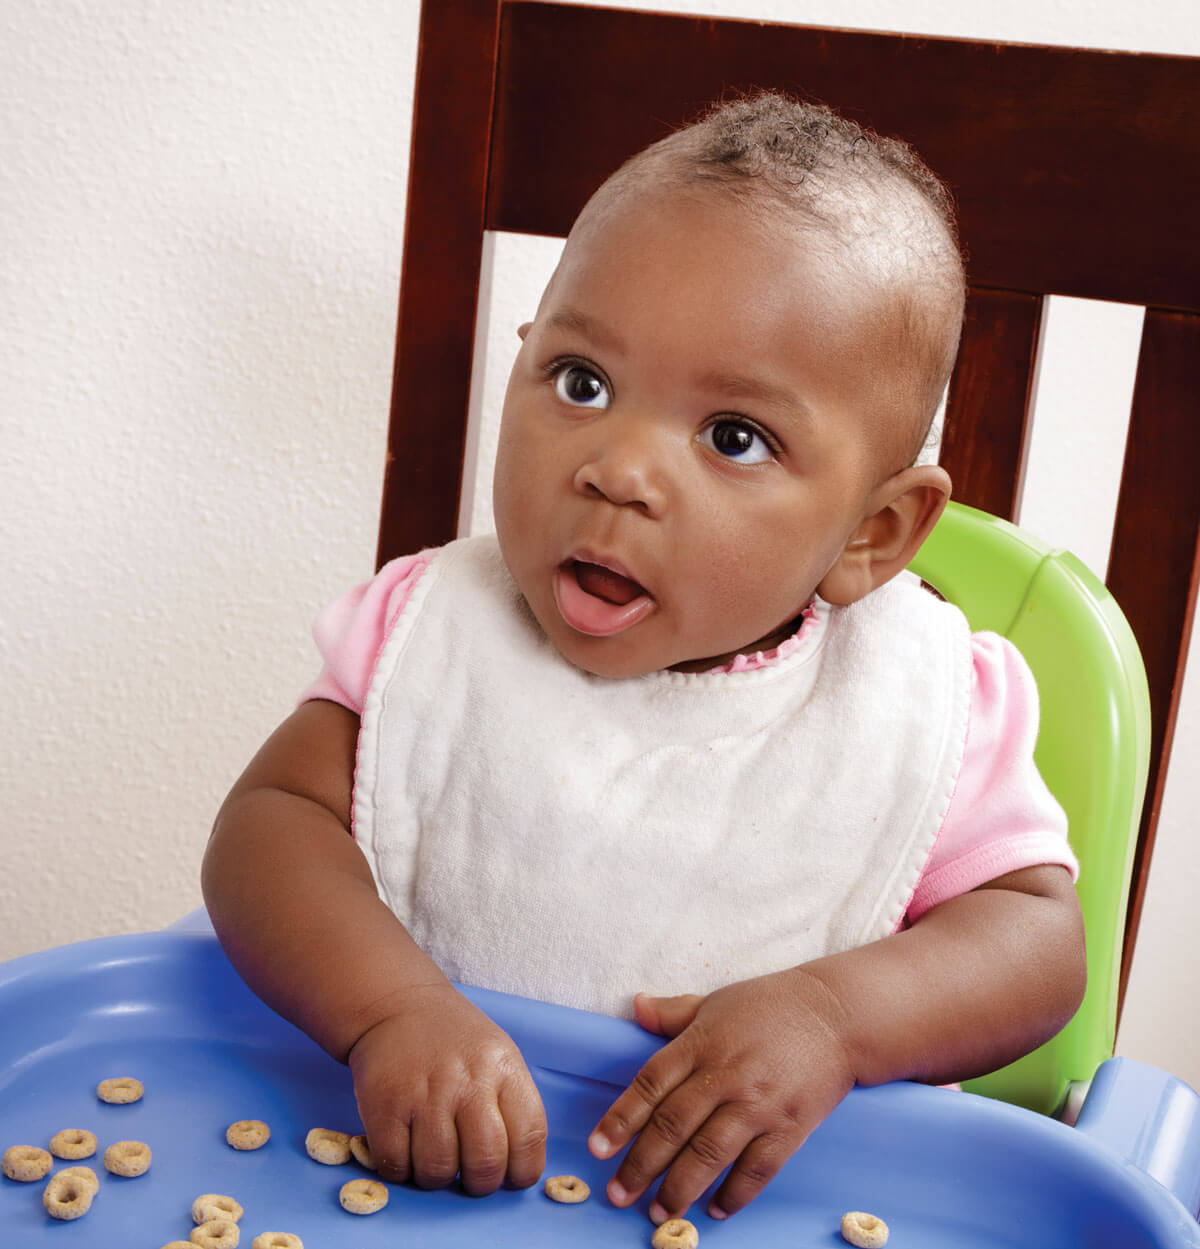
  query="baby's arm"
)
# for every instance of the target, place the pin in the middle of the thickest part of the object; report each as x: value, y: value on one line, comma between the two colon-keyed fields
x: 754, y: 1067
x: 441, y: 1090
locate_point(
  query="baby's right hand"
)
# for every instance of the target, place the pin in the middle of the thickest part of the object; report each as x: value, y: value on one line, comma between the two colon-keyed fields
x: 442, y: 1091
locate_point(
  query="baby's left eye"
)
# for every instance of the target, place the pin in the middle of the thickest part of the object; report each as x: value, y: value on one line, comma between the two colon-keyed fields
x: 737, y: 440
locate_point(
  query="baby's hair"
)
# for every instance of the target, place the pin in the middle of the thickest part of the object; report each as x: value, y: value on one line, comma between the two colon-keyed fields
x: 804, y: 162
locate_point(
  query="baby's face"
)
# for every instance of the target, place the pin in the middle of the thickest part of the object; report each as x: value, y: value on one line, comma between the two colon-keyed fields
x: 690, y: 436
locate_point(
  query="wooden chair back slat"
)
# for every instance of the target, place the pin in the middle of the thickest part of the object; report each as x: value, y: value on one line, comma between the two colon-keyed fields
x: 443, y: 243
x: 1154, y: 567
x: 1051, y: 151
x: 987, y: 406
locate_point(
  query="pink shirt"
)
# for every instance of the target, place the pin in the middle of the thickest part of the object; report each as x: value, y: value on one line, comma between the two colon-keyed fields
x: 1001, y: 817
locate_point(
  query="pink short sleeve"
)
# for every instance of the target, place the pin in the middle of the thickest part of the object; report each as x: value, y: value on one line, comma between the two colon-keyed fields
x: 351, y: 630
x: 1001, y: 817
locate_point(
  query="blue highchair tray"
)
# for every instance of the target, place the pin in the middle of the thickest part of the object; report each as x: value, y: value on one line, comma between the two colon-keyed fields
x: 942, y: 1168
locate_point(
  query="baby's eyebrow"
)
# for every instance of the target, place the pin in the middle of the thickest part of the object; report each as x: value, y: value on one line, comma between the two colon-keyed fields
x: 576, y: 322
x: 740, y: 386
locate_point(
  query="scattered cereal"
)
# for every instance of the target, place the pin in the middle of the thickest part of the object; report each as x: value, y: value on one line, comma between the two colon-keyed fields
x: 210, y: 1206
x: 331, y: 1148
x: 179, y: 1244
x: 865, y: 1231
x: 85, y: 1175
x: 567, y: 1188
x: 26, y: 1163
x: 362, y: 1152
x: 363, y: 1196
x: 248, y: 1134
x: 73, y: 1143
x: 216, y: 1234
x: 277, y: 1240
x: 68, y: 1197
x: 128, y: 1158
x: 675, y: 1234
x: 120, y: 1090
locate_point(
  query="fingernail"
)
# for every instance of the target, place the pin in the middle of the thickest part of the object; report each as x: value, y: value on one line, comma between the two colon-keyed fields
x: 657, y: 1213
x: 600, y: 1145
x: 617, y: 1194
x: 715, y: 1212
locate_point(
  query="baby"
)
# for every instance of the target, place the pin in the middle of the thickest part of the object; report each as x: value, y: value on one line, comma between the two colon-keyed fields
x: 679, y: 726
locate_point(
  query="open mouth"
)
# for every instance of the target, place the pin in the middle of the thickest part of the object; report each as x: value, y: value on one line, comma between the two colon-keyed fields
x: 598, y: 600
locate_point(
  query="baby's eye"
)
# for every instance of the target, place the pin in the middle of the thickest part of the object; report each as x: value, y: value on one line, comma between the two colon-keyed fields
x: 737, y: 440
x: 581, y: 387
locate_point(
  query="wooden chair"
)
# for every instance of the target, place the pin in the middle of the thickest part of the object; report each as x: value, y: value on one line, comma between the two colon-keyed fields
x: 1075, y: 173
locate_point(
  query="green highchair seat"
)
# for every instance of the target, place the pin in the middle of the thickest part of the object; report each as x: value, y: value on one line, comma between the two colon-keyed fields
x: 1093, y: 750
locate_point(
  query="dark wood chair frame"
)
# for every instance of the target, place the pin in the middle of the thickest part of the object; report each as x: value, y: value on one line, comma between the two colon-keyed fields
x: 1076, y: 173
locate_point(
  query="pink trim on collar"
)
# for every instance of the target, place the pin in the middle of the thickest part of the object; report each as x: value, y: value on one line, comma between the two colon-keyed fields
x: 809, y: 622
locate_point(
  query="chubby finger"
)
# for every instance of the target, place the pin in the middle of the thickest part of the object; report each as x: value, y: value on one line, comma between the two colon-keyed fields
x: 673, y: 1125
x: 525, y: 1129
x: 717, y: 1142
x: 757, y: 1165
x: 482, y: 1146
x: 666, y: 1016
x: 662, y: 1074
x: 390, y: 1147
x: 434, y: 1148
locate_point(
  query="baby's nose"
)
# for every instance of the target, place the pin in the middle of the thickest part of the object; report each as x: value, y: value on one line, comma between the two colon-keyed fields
x: 629, y: 472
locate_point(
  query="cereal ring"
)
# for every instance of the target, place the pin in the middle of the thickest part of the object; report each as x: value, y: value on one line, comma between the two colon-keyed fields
x: 120, y: 1090
x: 26, y: 1163
x: 866, y: 1231
x: 363, y: 1196
x: 247, y: 1134
x: 67, y: 1197
x: 325, y: 1145
x: 128, y: 1158
x: 85, y: 1175
x: 675, y: 1234
x: 179, y: 1244
x: 216, y: 1234
x: 362, y: 1152
x: 277, y: 1240
x: 567, y: 1188
x: 210, y: 1206
x: 73, y: 1143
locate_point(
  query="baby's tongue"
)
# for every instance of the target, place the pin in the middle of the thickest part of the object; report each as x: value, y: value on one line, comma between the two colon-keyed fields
x: 606, y: 584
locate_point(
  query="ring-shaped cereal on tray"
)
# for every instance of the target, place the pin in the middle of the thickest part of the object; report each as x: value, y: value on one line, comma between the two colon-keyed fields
x: 327, y: 1146
x: 120, y: 1090
x: 363, y: 1196
x: 864, y: 1231
x: 85, y: 1175
x: 277, y: 1240
x: 25, y: 1163
x: 675, y: 1234
x: 247, y: 1134
x: 216, y: 1234
x: 360, y: 1150
x: 127, y: 1158
x: 73, y: 1143
x: 67, y: 1197
x: 210, y: 1206
x: 569, y: 1189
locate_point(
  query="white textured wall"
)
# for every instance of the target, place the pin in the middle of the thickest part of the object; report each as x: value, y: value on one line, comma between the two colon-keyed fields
x: 201, y: 211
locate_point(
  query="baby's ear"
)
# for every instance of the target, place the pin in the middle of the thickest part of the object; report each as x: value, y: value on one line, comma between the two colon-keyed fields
x: 900, y: 513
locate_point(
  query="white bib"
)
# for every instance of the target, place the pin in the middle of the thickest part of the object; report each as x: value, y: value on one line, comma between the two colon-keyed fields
x: 547, y: 832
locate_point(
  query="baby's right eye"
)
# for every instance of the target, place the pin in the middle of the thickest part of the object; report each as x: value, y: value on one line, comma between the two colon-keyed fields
x: 581, y: 387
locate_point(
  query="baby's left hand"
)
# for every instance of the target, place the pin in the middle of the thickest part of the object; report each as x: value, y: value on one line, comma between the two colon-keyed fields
x: 752, y: 1070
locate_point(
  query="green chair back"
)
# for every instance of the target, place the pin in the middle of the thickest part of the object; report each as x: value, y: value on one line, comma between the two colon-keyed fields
x: 1093, y: 750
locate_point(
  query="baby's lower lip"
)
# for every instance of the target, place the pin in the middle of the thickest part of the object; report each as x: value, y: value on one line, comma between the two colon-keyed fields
x: 590, y: 613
